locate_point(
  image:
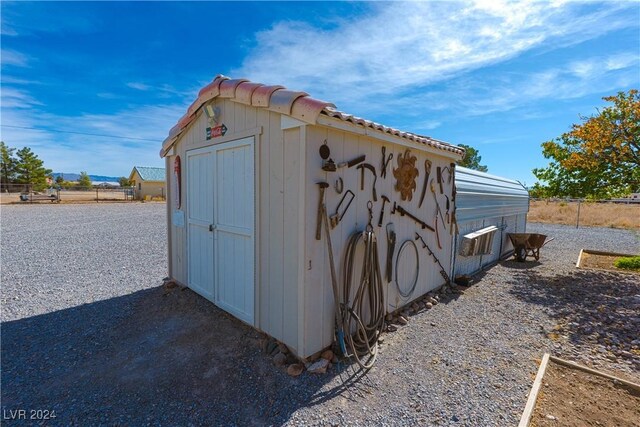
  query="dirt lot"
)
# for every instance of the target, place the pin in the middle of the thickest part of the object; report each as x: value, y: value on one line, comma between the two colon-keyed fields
x: 89, y: 332
x: 591, y: 214
x: 574, y: 398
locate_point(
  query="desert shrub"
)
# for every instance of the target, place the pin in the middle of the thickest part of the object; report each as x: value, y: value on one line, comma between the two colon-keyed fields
x: 628, y: 263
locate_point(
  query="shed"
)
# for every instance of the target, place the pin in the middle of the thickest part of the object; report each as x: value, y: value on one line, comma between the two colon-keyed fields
x: 148, y: 182
x: 491, y: 206
x: 243, y: 165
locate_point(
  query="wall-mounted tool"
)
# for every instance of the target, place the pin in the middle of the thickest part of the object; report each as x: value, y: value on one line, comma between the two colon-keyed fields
x: 448, y: 170
x: 385, y: 200
x: 403, y: 212
x: 327, y: 164
x: 439, y: 178
x: 362, y: 167
x: 339, y: 185
x: 337, y: 217
x: 438, y: 212
x: 391, y: 247
x: 447, y: 207
x: 334, y: 284
x: 406, y: 291
x: 435, y: 198
x: 454, y: 222
x: 385, y: 162
x: 443, y: 272
x: 322, y: 186
x: 405, y: 175
x: 330, y: 165
x: 427, y: 172
x: 452, y: 177
x: 325, y: 152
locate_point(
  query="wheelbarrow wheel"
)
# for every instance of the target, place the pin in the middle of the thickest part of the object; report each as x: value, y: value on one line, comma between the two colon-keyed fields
x: 521, y: 254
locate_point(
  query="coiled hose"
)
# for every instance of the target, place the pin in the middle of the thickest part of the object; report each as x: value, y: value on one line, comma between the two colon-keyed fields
x: 365, y: 313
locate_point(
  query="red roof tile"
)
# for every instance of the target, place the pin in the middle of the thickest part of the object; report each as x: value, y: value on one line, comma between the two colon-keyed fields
x: 298, y: 105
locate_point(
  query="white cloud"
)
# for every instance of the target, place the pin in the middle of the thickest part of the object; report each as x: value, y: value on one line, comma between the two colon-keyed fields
x: 138, y: 86
x: 11, y: 57
x: 397, y: 46
x: 6, y: 79
x: 428, y: 125
x: 573, y: 80
x: 65, y: 152
x: 16, y: 98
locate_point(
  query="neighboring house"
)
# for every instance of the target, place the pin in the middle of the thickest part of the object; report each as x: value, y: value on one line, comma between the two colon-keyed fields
x: 148, y: 182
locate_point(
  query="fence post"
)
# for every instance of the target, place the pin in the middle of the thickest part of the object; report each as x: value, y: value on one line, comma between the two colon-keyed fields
x: 97, y: 199
x: 578, y: 216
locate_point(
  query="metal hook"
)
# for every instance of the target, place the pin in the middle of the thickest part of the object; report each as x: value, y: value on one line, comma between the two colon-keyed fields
x: 339, y: 185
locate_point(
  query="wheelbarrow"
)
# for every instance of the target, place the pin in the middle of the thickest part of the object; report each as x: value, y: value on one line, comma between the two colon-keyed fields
x: 527, y: 244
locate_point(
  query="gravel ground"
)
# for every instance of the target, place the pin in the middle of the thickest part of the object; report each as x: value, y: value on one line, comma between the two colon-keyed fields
x: 60, y: 256
x: 469, y: 361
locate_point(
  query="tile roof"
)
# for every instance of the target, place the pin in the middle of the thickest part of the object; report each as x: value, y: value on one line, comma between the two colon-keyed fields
x: 298, y: 105
x: 149, y: 173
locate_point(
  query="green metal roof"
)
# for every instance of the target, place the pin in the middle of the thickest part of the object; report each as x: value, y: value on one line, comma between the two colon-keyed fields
x: 150, y: 174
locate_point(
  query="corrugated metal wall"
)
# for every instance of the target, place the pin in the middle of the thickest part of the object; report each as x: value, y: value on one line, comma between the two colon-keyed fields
x: 483, y: 200
x: 482, y: 196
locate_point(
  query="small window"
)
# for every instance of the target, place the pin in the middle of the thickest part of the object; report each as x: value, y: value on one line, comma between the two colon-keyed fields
x: 139, y: 186
x: 479, y: 242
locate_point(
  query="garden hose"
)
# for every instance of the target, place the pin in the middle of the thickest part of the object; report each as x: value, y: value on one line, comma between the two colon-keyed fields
x: 364, y: 314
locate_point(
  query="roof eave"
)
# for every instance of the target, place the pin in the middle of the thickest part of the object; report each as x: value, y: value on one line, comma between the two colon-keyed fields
x: 453, y: 153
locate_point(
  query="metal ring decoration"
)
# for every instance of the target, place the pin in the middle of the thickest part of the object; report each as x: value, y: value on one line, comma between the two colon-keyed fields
x: 339, y: 185
x: 404, y: 245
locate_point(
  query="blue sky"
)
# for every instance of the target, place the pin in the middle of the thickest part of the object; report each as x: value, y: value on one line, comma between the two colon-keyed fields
x: 502, y: 77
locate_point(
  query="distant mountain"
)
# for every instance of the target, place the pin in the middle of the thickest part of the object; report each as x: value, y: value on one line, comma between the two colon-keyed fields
x: 94, y: 178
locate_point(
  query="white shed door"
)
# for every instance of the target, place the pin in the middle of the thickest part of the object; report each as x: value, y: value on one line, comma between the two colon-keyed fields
x: 200, y: 221
x: 234, y: 228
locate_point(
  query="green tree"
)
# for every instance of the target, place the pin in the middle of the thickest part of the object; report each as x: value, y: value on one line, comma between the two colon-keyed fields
x: 599, y: 157
x: 471, y: 159
x: 7, y: 164
x: 538, y: 191
x: 60, y: 180
x: 30, y: 169
x: 84, y: 181
x: 124, y: 182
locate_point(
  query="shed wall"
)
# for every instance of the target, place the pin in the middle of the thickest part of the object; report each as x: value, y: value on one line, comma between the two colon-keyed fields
x: 483, y: 200
x: 278, y: 191
x: 318, y: 294
x: 294, y: 299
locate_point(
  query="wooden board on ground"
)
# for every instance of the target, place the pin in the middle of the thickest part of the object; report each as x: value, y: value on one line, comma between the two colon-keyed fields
x: 598, y: 260
x: 565, y: 393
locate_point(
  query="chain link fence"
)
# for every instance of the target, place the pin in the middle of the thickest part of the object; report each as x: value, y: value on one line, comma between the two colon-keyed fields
x: 25, y: 193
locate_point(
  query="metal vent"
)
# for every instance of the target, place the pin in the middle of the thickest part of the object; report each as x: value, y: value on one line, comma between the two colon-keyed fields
x: 479, y: 242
